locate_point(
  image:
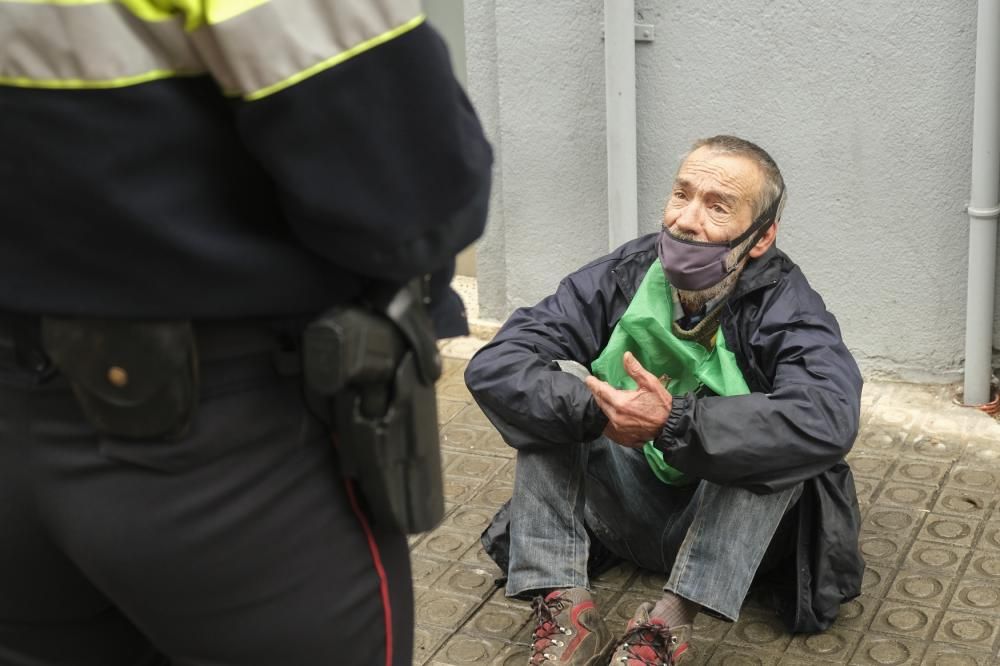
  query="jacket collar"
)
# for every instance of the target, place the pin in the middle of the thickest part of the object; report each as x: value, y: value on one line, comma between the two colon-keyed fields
x: 763, y: 271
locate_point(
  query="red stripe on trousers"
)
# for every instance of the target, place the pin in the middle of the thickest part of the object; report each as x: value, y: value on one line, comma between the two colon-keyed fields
x: 383, y: 580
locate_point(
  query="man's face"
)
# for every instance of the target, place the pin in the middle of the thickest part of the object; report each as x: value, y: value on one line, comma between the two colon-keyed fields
x: 712, y: 197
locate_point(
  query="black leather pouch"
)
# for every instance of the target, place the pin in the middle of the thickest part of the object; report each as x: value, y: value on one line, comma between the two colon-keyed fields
x: 133, y: 379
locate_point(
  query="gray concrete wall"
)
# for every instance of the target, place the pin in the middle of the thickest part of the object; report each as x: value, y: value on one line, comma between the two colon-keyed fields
x: 867, y: 108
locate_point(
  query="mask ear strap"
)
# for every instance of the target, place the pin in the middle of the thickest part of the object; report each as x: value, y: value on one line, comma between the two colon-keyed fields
x: 760, y: 224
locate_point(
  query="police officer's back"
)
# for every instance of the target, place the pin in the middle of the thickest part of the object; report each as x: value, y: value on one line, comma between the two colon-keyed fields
x: 186, y: 185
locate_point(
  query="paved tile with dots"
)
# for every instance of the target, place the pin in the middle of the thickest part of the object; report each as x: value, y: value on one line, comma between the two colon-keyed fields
x: 928, y: 480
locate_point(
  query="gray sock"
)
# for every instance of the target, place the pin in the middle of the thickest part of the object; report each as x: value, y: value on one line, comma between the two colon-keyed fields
x: 674, y: 610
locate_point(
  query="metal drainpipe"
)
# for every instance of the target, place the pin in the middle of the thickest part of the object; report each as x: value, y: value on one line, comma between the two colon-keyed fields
x: 984, y: 207
x: 619, y: 77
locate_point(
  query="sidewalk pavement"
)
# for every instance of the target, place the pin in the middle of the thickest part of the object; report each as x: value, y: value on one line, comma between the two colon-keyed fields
x: 928, y: 478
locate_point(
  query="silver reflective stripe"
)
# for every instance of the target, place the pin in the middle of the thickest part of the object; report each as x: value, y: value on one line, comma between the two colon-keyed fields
x: 89, y: 46
x: 275, y: 45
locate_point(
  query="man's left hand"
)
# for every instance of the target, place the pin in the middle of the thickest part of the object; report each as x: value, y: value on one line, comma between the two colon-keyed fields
x: 634, y: 417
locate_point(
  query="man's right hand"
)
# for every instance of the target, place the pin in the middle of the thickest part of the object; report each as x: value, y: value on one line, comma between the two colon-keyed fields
x: 634, y: 417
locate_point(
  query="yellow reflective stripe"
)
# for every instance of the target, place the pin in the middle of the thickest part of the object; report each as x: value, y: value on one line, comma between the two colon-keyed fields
x: 81, y: 84
x: 209, y: 12
x: 334, y: 60
x: 217, y: 11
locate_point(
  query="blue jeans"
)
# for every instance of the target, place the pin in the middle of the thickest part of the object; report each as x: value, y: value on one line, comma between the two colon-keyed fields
x: 710, y: 539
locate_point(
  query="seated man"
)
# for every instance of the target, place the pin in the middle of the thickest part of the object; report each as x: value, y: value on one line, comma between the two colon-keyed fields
x: 708, y: 443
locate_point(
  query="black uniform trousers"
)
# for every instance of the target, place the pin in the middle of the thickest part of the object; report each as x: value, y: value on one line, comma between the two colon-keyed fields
x: 239, y: 545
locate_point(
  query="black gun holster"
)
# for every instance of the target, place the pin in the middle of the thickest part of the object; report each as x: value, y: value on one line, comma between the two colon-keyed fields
x: 372, y: 369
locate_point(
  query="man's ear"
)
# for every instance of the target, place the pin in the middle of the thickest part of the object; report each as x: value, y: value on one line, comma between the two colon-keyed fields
x: 765, y: 242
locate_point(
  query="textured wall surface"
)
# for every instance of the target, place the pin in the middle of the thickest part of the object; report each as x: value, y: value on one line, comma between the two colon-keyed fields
x: 866, y: 107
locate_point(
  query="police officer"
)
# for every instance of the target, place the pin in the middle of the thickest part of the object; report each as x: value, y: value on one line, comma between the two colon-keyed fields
x: 186, y: 185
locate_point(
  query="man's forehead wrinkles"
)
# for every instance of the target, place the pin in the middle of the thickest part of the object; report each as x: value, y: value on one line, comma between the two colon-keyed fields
x: 713, y: 178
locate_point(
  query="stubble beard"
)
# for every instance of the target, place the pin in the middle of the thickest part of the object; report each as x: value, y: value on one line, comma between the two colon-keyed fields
x: 694, y: 301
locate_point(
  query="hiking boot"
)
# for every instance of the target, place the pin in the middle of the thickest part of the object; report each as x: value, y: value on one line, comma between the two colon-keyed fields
x: 650, y: 642
x: 568, y: 630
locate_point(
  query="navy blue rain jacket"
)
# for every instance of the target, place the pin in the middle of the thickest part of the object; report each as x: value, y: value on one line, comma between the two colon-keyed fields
x: 796, y: 425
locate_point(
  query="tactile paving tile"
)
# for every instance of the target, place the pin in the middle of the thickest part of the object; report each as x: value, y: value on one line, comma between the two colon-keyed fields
x: 963, y: 503
x: 974, y: 595
x: 493, y: 494
x: 462, y: 649
x: 863, y: 464
x: 467, y: 438
x: 471, y: 518
x: 990, y: 538
x: 921, y: 587
x: 937, y: 424
x: 985, y: 565
x: 920, y: 471
x: 876, y: 580
x: 621, y: 612
x: 460, y: 438
x: 759, y: 630
x: 858, y: 613
x: 474, y: 465
x: 734, y: 655
x: 446, y: 543
x: 834, y: 645
x: 460, y: 489
x: 444, y: 611
x: 935, y: 448
x: 606, y: 598
x: 448, y: 409
x: 881, y: 549
x: 880, y: 440
x: 473, y: 416
x: 506, y: 473
x: 477, y: 556
x: 699, y: 652
x: 893, y: 522
x: 455, y: 366
x: 427, y: 570
x: 976, y: 631
x: 907, y: 495
x: 426, y: 641
x: 945, y: 654
x: 496, y: 621
x: 975, y: 479
x: 453, y: 388
x: 895, y: 417
x: 885, y: 650
x: 950, y: 530
x: 864, y: 488
x: 513, y: 655
x: 465, y: 580
x: 982, y: 453
x: 907, y: 620
x: 710, y: 628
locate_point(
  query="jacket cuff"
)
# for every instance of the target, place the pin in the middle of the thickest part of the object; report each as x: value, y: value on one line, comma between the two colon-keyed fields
x: 595, y: 421
x: 668, y: 435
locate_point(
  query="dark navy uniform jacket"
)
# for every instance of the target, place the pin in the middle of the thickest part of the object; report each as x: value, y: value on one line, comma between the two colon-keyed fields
x: 221, y: 160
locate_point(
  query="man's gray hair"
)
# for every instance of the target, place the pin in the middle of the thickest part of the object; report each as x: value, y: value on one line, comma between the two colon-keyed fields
x: 773, y: 185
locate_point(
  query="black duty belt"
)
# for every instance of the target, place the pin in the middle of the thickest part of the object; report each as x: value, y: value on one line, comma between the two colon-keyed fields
x: 21, y: 343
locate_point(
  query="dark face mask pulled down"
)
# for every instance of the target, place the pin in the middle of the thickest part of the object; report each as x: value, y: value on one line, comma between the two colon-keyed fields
x: 695, y: 265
